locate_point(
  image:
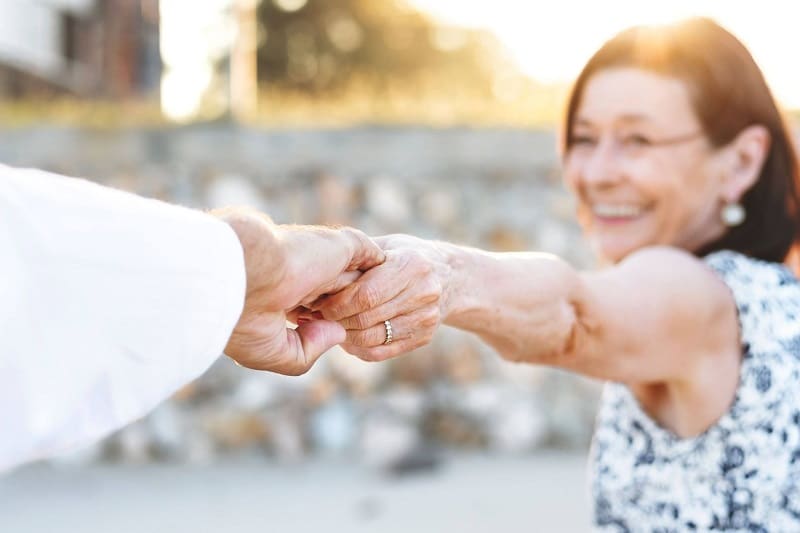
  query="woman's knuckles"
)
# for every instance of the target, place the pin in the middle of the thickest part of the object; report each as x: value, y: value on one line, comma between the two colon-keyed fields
x: 361, y: 321
x: 430, y: 319
x: 367, y: 296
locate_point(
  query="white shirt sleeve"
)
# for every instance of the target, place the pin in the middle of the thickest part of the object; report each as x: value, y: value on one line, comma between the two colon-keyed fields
x: 109, y: 303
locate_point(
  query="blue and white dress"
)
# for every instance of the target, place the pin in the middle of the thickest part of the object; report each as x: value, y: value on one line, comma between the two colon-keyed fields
x: 743, y: 473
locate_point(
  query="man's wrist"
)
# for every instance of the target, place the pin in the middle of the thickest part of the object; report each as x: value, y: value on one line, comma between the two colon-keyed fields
x: 263, y: 250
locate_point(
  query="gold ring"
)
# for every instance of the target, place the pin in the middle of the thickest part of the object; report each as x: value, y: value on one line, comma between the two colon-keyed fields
x: 388, y: 326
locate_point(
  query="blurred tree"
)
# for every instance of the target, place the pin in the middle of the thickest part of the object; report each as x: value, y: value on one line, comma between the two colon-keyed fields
x: 319, y: 46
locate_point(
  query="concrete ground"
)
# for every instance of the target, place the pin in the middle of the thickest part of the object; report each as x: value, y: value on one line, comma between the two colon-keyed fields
x: 541, y: 493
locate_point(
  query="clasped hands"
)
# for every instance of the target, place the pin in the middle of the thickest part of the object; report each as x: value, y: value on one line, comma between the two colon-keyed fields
x: 338, y: 286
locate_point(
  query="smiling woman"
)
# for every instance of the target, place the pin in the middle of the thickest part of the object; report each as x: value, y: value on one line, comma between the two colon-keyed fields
x: 671, y: 135
x: 634, y: 166
x: 652, y: 124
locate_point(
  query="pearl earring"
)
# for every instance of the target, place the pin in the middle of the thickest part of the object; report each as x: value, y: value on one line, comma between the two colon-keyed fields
x: 733, y: 214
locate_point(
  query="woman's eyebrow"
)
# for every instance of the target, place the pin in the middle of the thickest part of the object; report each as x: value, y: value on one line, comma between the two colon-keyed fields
x: 627, y: 118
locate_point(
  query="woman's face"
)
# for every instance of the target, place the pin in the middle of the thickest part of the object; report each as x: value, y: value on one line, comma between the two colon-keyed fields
x: 642, y: 169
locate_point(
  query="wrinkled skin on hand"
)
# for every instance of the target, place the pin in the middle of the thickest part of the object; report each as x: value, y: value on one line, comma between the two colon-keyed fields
x: 406, y: 289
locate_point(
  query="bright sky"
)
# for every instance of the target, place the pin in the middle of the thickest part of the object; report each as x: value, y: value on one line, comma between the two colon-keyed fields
x: 551, y: 40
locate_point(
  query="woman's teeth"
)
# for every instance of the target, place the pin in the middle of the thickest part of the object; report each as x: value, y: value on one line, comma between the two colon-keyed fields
x: 616, y: 211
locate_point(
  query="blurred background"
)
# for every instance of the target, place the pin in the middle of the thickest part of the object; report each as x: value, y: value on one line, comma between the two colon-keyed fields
x: 433, y: 117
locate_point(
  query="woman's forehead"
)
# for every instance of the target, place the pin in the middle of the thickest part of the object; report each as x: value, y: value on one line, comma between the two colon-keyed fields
x: 627, y: 95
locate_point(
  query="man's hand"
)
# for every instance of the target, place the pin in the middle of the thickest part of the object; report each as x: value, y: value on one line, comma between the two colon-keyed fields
x: 287, y: 267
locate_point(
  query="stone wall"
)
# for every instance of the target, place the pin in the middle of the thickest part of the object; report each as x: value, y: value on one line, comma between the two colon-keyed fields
x: 495, y: 188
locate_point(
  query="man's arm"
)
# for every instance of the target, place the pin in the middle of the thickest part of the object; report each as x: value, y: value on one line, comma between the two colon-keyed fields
x: 110, y: 302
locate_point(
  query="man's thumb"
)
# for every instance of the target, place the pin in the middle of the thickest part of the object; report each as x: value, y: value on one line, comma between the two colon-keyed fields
x: 319, y: 336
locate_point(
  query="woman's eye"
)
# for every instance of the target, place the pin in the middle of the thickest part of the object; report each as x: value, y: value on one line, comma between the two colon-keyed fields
x: 636, y: 140
x: 583, y: 140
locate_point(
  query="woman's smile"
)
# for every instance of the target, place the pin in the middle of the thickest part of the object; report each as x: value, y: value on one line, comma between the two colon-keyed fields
x: 616, y: 213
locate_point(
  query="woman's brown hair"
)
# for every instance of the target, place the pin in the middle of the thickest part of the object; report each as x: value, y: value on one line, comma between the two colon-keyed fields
x: 728, y: 93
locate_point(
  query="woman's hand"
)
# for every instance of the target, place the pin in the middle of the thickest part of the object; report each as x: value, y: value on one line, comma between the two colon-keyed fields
x: 408, y: 290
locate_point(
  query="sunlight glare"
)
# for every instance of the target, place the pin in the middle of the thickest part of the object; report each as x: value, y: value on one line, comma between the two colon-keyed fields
x: 551, y: 44
x: 193, y: 35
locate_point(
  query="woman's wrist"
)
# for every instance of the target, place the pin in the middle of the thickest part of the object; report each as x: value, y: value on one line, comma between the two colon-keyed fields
x: 459, y: 288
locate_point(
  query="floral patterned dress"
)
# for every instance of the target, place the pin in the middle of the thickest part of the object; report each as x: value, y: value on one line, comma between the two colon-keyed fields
x: 743, y: 473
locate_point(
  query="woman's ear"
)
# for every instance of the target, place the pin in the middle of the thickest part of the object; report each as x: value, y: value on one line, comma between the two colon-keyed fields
x: 747, y: 153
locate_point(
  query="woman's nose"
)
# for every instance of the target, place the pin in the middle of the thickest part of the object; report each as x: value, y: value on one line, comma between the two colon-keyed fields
x: 602, y: 165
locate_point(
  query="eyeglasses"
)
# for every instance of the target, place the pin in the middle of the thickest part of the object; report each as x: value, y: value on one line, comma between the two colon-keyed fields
x: 626, y: 146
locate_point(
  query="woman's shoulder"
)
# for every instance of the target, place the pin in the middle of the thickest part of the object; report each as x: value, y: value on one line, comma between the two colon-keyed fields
x: 767, y: 296
x: 754, y: 280
x: 737, y: 267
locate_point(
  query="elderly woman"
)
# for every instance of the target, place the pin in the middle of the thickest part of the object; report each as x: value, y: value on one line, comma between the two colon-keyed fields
x: 686, y: 183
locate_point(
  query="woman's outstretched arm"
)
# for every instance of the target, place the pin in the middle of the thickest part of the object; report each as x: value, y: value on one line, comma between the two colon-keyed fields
x: 660, y: 321
x: 661, y: 315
